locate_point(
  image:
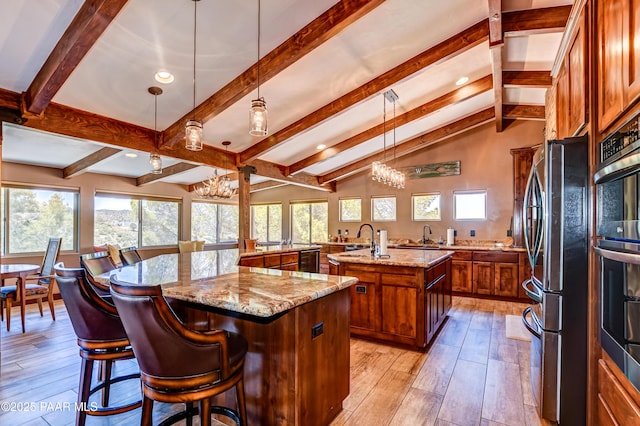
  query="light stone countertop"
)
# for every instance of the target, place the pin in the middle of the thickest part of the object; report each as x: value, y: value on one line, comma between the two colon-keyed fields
x: 478, y: 247
x: 287, y: 248
x: 397, y: 257
x: 213, y: 279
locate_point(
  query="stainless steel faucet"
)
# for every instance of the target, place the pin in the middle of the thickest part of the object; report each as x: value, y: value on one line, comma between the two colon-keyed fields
x: 373, y: 239
x: 424, y: 233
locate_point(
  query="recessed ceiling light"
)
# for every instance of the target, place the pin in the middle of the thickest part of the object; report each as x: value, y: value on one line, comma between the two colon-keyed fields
x: 321, y: 146
x: 164, y: 77
x: 131, y: 155
x: 461, y: 81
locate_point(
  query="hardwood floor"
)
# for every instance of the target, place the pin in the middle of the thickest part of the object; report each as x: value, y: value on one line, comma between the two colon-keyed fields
x: 471, y: 375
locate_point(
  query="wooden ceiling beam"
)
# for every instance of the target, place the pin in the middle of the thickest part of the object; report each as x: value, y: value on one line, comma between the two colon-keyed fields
x: 87, y: 26
x: 527, y: 112
x: 460, y: 94
x: 495, y: 22
x: 451, y: 47
x: 321, y: 29
x: 496, y: 44
x: 532, y: 21
x: 166, y: 171
x: 268, y: 184
x: 414, y: 144
x: 527, y: 78
x: 83, y: 164
x: 279, y: 173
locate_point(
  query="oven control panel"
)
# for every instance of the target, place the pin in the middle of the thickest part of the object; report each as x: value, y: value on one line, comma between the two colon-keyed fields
x: 620, y: 143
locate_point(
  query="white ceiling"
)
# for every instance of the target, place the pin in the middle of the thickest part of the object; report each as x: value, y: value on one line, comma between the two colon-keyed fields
x: 150, y: 35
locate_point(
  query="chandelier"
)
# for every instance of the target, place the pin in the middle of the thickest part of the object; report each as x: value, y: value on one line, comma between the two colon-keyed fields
x: 380, y: 172
x: 217, y: 187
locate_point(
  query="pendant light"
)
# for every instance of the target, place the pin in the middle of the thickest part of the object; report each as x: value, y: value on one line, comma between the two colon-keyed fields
x: 258, y: 113
x: 154, y: 158
x: 193, y: 129
x: 379, y: 170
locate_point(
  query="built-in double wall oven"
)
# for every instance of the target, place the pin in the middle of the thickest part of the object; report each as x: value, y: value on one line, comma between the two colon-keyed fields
x: 618, y: 210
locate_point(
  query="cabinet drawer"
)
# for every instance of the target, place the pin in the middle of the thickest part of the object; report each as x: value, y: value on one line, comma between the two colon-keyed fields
x: 289, y: 267
x: 619, y: 403
x: 256, y: 261
x: 462, y: 255
x: 336, y: 249
x: 490, y: 256
x: 271, y: 260
x: 398, y: 280
x: 289, y: 258
x: 436, y: 271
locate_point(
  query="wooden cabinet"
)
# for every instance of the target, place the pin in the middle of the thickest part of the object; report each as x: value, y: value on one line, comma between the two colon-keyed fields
x: 403, y: 305
x: 496, y: 273
x: 506, y: 280
x: 617, y: 401
x: 618, y: 71
x: 462, y: 272
x: 483, y: 277
x: 306, y: 260
x: 522, y: 161
x: 571, y: 93
x: 324, y: 260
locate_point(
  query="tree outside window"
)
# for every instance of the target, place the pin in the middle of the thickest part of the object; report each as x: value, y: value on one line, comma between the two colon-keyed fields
x: 426, y: 206
x: 350, y: 209
x: 33, y: 215
x: 266, y: 222
x: 214, y: 223
x: 383, y: 209
x: 309, y: 222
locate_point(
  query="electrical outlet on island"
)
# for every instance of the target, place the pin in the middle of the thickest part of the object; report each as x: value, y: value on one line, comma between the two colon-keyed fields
x: 472, y: 233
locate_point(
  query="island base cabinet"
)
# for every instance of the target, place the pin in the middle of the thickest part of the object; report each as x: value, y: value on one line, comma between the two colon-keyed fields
x: 297, y: 367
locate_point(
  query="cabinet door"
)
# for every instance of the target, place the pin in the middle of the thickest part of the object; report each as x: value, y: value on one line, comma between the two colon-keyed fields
x: 255, y: 261
x: 577, y: 81
x: 482, y: 277
x: 399, y: 303
x: 631, y: 55
x: 363, y: 300
x: 563, y: 99
x: 506, y: 279
x: 610, y: 77
x: 462, y: 276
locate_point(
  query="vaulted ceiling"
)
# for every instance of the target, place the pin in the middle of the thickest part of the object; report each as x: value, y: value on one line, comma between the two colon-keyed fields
x: 74, y: 77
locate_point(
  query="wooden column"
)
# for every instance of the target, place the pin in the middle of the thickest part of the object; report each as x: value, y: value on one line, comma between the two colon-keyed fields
x: 244, y: 204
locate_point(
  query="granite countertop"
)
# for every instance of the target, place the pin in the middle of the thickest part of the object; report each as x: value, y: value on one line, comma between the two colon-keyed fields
x: 286, y: 248
x: 213, y: 279
x: 397, y: 257
x: 467, y: 245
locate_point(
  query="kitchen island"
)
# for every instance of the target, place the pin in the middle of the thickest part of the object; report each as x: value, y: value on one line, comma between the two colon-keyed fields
x: 401, y: 299
x: 296, y: 323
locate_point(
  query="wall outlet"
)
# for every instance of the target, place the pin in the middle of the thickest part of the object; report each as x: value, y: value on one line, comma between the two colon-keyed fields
x: 472, y: 233
x: 509, y: 233
x: 455, y: 233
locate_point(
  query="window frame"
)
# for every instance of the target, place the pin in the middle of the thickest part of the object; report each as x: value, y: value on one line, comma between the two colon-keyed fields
x: 6, y: 205
x: 469, y: 192
x: 340, y: 218
x: 268, y: 205
x: 309, y: 202
x: 423, y: 194
x: 141, y: 198
x: 395, y: 208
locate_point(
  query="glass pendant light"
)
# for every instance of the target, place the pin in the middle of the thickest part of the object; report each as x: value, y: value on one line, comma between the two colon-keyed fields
x: 258, y: 125
x: 154, y: 158
x: 380, y: 172
x: 193, y: 129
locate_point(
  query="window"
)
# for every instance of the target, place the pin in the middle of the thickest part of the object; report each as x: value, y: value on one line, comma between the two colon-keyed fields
x: 383, y: 209
x: 33, y: 215
x: 350, y: 210
x: 214, y: 223
x: 266, y: 222
x: 309, y: 222
x: 135, y: 221
x: 470, y: 205
x: 425, y: 206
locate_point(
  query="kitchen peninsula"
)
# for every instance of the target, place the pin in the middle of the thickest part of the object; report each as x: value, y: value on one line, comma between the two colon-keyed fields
x: 296, y: 324
x: 402, y: 299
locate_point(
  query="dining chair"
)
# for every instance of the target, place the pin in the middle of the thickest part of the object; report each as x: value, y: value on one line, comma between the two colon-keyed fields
x: 101, y: 337
x: 129, y: 256
x: 97, y: 264
x: 42, y: 284
x: 159, y: 339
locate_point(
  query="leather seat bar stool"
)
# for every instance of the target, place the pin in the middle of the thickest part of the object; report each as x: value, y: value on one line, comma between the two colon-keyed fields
x: 101, y: 337
x: 97, y: 264
x: 129, y: 256
x: 177, y: 364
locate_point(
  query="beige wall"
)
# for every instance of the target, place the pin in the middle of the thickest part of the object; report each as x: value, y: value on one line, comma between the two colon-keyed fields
x: 486, y: 164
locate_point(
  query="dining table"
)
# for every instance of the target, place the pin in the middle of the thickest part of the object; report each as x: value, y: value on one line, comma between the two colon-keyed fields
x: 19, y: 271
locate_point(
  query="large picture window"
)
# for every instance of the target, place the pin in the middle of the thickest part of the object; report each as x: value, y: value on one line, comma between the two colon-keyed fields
x: 383, y: 209
x: 350, y: 209
x: 135, y: 221
x: 425, y: 206
x: 470, y: 205
x: 33, y: 215
x: 309, y: 222
x: 266, y: 222
x: 214, y: 223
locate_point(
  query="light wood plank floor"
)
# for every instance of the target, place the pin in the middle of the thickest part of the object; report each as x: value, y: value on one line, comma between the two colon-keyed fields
x: 471, y: 375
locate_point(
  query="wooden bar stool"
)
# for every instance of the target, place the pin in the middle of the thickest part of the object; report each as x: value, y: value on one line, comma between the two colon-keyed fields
x: 178, y: 364
x: 101, y: 337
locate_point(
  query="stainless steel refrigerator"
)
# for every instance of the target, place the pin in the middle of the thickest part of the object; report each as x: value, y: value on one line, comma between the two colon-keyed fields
x: 555, y: 220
